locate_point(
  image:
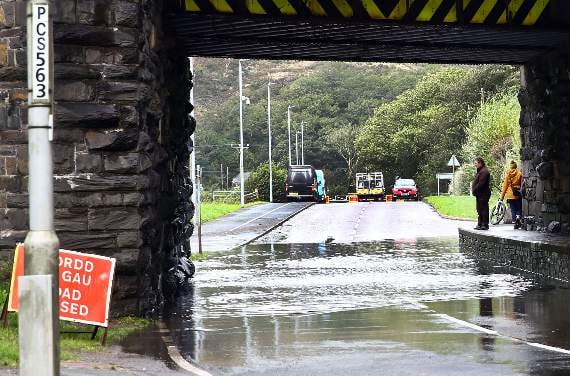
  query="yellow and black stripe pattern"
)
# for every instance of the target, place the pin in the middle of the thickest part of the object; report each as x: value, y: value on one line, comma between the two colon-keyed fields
x: 491, y: 12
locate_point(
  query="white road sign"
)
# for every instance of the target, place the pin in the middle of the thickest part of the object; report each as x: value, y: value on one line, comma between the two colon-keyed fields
x: 40, y: 74
x: 453, y: 161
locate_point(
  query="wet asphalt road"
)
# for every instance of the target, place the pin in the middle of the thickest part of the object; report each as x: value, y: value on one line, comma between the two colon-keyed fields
x: 244, y: 225
x: 364, y: 221
x: 369, y: 289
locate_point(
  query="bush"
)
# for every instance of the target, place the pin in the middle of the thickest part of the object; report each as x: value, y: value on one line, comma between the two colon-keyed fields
x: 259, y: 179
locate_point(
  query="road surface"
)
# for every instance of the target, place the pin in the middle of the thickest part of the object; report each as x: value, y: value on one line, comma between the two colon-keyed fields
x: 243, y: 225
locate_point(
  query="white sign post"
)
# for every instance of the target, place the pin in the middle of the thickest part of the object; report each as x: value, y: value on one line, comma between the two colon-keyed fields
x: 453, y: 162
x: 39, y: 354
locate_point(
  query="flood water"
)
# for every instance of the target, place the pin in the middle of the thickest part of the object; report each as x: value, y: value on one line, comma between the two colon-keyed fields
x: 391, y: 307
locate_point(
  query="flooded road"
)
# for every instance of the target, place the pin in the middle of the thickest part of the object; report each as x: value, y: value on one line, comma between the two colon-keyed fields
x: 407, y: 307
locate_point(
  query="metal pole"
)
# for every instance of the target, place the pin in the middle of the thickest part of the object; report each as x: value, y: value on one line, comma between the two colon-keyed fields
x: 192, y: 166
x: 269, y: 140
x: 39, y: 353
x: 296, y: 148
x: 222, y: 176
x: 227, y: 178
x: 453, y: 179
x: 241, y: 179
x: 289, y: 131
x: 199, y: 205
x: 302, y: 143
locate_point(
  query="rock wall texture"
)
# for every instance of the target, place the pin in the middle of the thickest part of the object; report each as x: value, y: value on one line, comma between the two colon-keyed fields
x: 533, y: 258
x: 545, y: 133
x: 121, y: 141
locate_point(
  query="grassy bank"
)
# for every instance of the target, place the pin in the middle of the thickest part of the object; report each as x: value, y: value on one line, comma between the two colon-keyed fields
x: 215, y: 210
x: 456, y: 206
x: 71, y: 344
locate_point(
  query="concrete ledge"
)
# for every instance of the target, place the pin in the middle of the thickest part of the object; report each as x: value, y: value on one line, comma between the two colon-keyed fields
x: 544, y: 255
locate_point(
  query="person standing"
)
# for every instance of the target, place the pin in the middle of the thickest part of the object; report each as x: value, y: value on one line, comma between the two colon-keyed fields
x: 512, y: 190
x: 482, y: 191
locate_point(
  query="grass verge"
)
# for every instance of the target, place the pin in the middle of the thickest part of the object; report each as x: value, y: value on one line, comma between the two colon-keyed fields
x: 71, y: 344
x: 200, y: 256
x: 456, y: 206
x: 215, y: 210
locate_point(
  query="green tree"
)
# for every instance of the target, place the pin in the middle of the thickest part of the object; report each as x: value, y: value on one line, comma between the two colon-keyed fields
x: 259, y: 179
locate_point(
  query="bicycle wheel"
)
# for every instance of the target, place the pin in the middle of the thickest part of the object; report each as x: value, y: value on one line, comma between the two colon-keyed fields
x: 498, y: 212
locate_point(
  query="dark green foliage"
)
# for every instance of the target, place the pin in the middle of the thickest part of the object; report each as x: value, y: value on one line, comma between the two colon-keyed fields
x: 415, y: 135
x: 259, y: 179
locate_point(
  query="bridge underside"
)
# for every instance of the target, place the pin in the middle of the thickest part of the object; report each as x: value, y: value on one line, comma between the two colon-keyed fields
x: 269, y: 38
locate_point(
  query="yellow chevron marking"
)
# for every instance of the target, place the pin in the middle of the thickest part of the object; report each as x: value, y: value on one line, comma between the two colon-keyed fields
x: 372, y: 9
x: 451, y: 16
x: 343, y: 7
x: 466, y: 4
x: 513, y: 7
x: 315, y: 7
x: 535, y: 12
x: 483, y: 11
x: 285, y: 7
x: 222, y: 6
x: 429, y: 9
x: 191, y: 6
x: 254, y: 7
x: 503, y: 18
x: 399, y: 11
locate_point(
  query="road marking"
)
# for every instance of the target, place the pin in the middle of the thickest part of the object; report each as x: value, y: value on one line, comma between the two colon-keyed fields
x: 176, y: 356
x: 468, y: 324
x: 261, y: 216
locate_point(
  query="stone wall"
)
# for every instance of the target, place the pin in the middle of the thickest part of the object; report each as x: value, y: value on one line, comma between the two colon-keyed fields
x: 532, y: 258
x: 545, y: 133
x: 121, y: 141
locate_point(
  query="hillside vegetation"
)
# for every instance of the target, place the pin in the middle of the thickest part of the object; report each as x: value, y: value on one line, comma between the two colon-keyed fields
x: 402, y: 119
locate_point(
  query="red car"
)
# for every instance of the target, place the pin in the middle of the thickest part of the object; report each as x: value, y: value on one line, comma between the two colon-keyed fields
x: 405, y: 189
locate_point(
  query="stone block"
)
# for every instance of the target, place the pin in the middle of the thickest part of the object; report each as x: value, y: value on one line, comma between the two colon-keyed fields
x: 11, y: 74
x: 77, y: 72
x: 121, y: 163
x: 87, y: 115
x: 126, y: 261
x: 68, y: 135
x: 88, y: 162
x: 113, y: 91
x: 73, y: 91
x: 68, y: 54
x: 86, y: 35
x: 10, y: 166
x: 64, y: 11
x: 7, y: 14
x: 121, y: 72
x: 112, y: 199
x: 94, y: 12
x: 111, y: 56
x: 14, y: 219
x: 126, y: 14
x: 132, y: 199
x: 128, y: 239
x: 71, y: 219
x: 63, y: 159
x: 7, y: 151
x: 112, y: 140
x: 11, y: 183
x: 3, y: 53
x: 17, y: 200
x: 9, y: 238
x: 94, y: 182
x: 80, y: 241
x: 113, y: 219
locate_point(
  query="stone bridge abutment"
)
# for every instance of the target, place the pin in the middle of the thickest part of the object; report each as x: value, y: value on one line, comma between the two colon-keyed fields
x: 121, y: 141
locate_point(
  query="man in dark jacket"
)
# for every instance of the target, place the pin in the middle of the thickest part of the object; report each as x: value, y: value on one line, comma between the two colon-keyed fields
x: 482, y: 191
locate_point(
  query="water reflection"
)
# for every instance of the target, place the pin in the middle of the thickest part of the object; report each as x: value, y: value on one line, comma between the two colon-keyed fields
x: 275, y: 307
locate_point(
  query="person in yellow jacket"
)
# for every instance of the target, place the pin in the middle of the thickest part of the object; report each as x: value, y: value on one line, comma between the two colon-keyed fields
x: 512, y: 190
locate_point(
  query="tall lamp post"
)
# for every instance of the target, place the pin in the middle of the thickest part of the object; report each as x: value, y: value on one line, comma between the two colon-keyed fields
x: 302, y: 143
x: 297, y: 147
x: 242, y: 98
x: 269, y: 139
x: 289, y: 130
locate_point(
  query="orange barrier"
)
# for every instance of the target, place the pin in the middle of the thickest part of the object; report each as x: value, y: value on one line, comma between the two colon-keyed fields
x: 352, y: 198
x: 388, y: 198
x: 327, y: 199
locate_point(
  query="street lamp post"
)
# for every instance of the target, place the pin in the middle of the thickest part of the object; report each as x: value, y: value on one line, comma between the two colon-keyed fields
x: 302, y: 143
x: 241, y: 173
x: 297, y: 147
x: 289, y: 130
x: 269, y: 140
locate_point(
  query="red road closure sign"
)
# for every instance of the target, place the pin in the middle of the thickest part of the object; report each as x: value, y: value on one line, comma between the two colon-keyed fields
x: 85, y: 283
